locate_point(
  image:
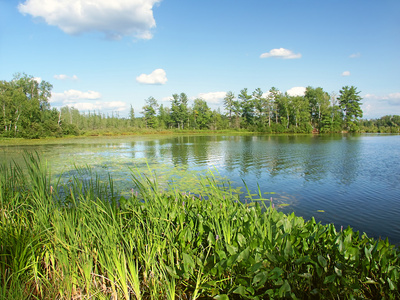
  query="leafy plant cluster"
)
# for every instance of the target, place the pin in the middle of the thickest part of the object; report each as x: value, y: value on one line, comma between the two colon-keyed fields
x: 80, y: 240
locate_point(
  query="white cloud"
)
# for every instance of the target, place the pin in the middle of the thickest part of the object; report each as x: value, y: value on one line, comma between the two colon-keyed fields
x: 346, y: 73
x: 296, y: 91
x: 85, y: 101
x: 266, y: 94
x: 37, y: 79
x: 114, y: 18
x: 394, y: 96
x: 60, y: 77
x: 355, y: 55
x: 281, y: 53
x: 158, y: 76
x: 213, y: 97
x: 65, y: 77
x: 391, y: 99
x: 375, y: 106
x: 72, y: 96
x: 102, y: 106
x: 166, y: 99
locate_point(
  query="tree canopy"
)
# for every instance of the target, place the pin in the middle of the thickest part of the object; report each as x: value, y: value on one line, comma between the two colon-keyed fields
x: 26, y: 112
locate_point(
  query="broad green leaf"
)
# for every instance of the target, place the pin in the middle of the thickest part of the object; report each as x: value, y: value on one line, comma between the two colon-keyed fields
x: 231, y: 260
x: 330, y: 279
x: 188, y: 261
x: 288, y: 249
x: 391, y: 285
x: 171, y: 272
x: 211, y: 238
x: 338, y: 272
x: 322, y: 261
x: 272, y: 258
x: 302, y: 260
x: 305, y: 275
x: 256, y: 267
x: 276, y: 273
x: 368, y: 253
x: 231, y: 249
x: 221, y: 254
x: 285, y: 288
x: 241, y: 290
x: 370, y: 281
x: 260, y: 279
x: 244, y: 255
x: 221, y: 297
x: 241, y: 239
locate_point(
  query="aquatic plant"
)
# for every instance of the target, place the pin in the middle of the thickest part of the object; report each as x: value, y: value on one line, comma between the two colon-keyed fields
x: 82, y: 239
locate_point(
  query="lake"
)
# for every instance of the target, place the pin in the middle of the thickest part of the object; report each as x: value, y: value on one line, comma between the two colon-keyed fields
x: 342, y: 179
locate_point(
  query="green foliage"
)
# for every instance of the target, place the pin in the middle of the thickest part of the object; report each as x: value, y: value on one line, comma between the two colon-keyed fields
x: 82, y: 240
x: 318, y: 101
x: 149, y: 112
x: 349, y: 101
x: 247, y: 107
x: 201, y: 114
x: 179, y: 110
x: 26, y: 112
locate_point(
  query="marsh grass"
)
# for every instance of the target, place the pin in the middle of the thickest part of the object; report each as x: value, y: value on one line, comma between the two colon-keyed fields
x: 82, y: 240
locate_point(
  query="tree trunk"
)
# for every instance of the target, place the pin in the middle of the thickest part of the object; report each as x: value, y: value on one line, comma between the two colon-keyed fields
x: 4, y: 114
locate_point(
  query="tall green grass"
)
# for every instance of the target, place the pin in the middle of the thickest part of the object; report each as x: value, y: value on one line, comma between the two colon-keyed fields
x: 81, y: 240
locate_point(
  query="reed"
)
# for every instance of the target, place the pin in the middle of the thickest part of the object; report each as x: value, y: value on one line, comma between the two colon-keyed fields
x: 81, y: 240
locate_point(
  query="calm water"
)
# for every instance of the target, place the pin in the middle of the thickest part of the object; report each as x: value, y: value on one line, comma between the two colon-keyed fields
x: 344, y: 179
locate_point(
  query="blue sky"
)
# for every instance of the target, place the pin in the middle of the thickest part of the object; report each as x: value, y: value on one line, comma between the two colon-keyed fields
x: 107, y: 55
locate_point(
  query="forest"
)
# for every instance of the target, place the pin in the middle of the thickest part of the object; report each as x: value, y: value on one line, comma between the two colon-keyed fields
x: 27, y: 113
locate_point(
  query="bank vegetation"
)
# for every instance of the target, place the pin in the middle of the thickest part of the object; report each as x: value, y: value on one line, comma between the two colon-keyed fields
x: 79, y: 239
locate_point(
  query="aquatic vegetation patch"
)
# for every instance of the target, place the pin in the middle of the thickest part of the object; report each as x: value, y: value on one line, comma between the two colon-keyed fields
x: 83, y: 240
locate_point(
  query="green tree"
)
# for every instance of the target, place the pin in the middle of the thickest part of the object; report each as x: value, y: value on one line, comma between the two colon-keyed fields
x: 332, y: 122
x: 25, y: 105
x: 13, y: 101
x: 179, y: 110
x: 34, y: 89
x: 274, y: 98
x: 284, y: 109
x: 237, y: 110
x: 164, y: 117
x: 131, y: 117
x: 247, y: 105
x: 201, y: 113
x: 150, y: 111
x: 300, y: 114
x: 349, y: 101
x: 318, y: 101
x: 229, y: 104
x: 260, y: 107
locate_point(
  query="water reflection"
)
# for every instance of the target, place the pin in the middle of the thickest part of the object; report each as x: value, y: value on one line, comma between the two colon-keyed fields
x: 180, y: 151
x: 354, y: 179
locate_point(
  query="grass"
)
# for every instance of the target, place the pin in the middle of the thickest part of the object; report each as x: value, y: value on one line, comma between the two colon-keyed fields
x: 94, y: 134
x: 82, y: 240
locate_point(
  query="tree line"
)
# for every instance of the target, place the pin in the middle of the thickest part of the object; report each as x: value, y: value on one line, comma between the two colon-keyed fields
x: 26, y: 112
